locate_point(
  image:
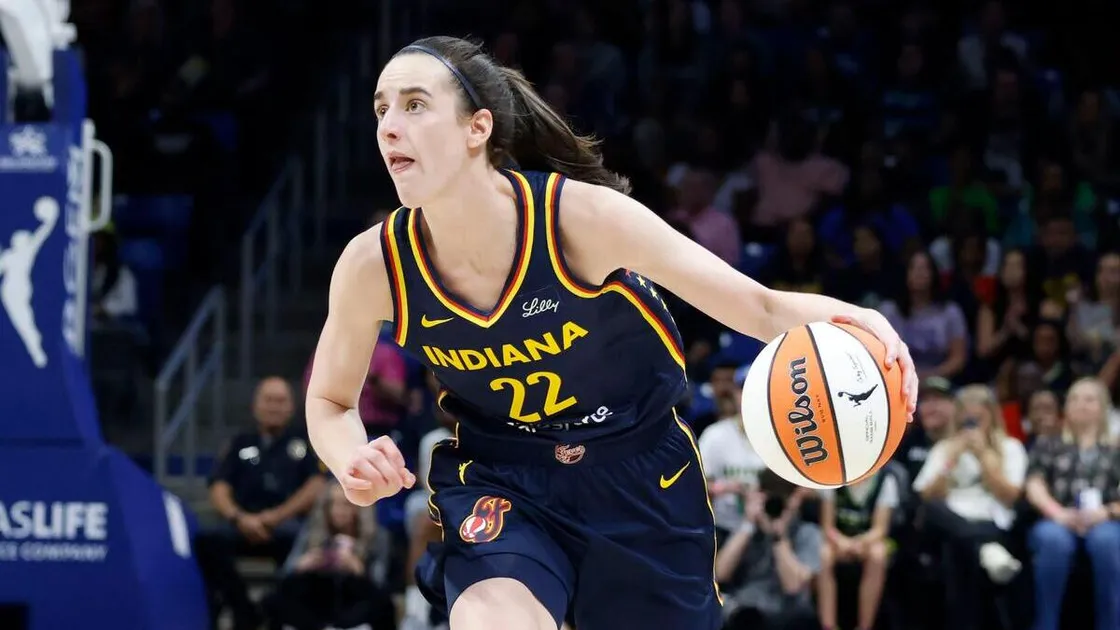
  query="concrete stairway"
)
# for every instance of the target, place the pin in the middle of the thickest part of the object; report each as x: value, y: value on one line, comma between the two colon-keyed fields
x: 286, y: 354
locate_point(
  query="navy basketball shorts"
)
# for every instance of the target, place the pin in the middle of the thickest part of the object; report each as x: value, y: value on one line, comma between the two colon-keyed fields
x: 613, y: 533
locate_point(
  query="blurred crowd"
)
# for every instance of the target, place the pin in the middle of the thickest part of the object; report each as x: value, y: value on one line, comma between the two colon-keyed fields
x: 951, y: 164
x: 200, y: 103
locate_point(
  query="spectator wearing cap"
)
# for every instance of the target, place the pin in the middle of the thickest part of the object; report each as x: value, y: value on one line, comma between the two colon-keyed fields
x: 935, y: 413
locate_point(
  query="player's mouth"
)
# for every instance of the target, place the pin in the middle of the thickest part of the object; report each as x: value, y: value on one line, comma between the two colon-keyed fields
x: 399, y: 163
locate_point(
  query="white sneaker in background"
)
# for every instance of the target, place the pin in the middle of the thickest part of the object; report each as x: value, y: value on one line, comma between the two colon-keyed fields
x: 415, y: 605
x: 999, y: 563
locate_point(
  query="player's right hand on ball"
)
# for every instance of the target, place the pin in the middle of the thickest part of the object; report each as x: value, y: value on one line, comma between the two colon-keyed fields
x: 376, y: 471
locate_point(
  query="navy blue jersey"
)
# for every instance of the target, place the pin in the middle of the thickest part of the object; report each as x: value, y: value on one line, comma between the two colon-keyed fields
x: 554, y: 353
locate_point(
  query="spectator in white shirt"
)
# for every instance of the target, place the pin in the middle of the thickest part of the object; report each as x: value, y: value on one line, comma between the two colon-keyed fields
x: 969, y: 484
x: 730, y: 462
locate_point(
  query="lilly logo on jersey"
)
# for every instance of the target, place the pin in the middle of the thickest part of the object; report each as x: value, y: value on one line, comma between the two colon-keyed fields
x: 809, y: 445
x: 508, y: 354
x: 536, y: 306
x: 486, y: 520
x: 539, y: 302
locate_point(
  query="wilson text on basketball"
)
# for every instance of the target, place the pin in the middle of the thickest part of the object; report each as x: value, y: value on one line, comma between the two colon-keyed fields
x: 809, y: 445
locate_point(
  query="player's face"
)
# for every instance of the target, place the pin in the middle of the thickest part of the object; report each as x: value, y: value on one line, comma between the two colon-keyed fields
x: 421, y: 131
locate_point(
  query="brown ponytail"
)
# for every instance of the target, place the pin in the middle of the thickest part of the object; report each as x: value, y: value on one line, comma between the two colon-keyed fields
x: 527, y: 131
x: 543, y: 140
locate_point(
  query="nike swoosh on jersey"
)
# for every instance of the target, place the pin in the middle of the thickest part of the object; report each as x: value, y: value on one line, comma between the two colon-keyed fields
x: 665, y: 483
x: 430, y: 323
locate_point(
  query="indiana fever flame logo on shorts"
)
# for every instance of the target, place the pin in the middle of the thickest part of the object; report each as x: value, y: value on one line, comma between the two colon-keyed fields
x: 486, y: 520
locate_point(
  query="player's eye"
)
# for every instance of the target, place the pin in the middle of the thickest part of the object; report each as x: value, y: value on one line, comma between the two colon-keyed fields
x: 415, y: 106
x: 379, y: 110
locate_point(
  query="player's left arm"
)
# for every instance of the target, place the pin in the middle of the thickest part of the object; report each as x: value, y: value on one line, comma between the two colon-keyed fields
x: 602, y: 230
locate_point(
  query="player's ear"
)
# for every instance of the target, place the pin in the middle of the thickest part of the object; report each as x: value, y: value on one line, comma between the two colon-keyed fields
x: 480, y: 126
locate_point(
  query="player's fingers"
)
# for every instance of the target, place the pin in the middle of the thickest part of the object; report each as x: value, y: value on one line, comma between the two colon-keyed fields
x: 387, y: 470
x: 893, y: 343
x: 387, y: 447
x: 351, y: 482
x: 364, y: 469
x: 910, y: 384
x: 884, y: 332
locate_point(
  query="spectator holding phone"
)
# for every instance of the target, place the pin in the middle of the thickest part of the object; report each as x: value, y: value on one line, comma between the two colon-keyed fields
x: 331, y: 584
x: 768, y: 564
x: 1074, y: 482
x: 969, y: 484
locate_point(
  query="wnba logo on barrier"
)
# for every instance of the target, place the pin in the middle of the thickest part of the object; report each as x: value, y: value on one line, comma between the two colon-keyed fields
x: 17, y: 262
x: 29, y: 152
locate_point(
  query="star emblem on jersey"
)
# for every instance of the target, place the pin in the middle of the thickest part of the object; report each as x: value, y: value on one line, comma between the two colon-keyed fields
x: 666, y: 483
x: 432, y: 323
x: 486, y: 520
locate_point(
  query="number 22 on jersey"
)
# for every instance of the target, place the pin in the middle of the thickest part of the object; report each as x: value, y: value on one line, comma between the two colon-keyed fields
x: 553, y: 403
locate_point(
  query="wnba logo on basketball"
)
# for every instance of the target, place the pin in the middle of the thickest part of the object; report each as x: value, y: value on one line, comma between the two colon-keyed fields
x: 486, y: 520
x: 809, y: 445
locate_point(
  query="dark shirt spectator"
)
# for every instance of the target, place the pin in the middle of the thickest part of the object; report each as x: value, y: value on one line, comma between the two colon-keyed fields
x: 266, y: 480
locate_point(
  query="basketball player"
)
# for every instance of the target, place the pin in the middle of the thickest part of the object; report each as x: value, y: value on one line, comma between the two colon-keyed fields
x: 571, y: 488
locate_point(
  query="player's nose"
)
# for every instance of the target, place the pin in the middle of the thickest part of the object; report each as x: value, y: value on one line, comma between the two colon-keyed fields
x: 390, y: 129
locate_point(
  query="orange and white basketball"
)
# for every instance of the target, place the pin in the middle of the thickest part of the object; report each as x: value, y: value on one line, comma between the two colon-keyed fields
x: 820, y: 407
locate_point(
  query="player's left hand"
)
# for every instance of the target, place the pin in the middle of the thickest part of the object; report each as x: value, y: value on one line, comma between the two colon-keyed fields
x: 897, y: 352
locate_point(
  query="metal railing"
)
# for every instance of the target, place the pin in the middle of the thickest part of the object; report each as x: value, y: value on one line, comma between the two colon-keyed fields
x: 200, y: 360
x: 273, y: 248
x: 88, y: 224
x: 275, y: 243
x: 278, y: 227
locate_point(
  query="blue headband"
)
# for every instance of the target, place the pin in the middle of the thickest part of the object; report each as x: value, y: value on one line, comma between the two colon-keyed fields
x: 467, y: 87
